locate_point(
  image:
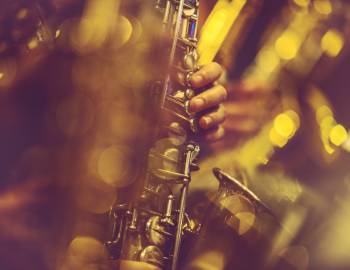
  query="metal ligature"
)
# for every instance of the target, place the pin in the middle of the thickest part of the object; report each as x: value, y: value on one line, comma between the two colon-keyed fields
x: 150, y: 228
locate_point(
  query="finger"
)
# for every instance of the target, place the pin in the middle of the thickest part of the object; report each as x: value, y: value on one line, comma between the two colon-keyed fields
x: 215, y: 134
x: 206, y: 75
x: 209, y: 98
x: 212, y: 119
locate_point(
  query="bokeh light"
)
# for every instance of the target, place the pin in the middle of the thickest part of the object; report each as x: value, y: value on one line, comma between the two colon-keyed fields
x: 8, y: 72
x: 287, y: 45
x: 332, y: 43
x: 302, y: 3
x: 324, y: 7
x: 338, y: 135
x: 113, y: 166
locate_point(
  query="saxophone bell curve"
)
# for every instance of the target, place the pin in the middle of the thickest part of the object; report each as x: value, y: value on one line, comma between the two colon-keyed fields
x: 229, y: 185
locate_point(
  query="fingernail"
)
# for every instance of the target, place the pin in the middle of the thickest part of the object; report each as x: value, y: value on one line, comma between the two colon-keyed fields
x: 196, y: 78
x: 205, y: 122
x: 196, y: 104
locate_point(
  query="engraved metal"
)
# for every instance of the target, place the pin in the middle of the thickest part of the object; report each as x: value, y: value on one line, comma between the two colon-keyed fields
x: 150, y: 228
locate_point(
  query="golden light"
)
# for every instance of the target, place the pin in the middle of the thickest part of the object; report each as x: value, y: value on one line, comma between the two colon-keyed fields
x: 326, y: 126
x: 327, y: 122
x: 33, y: 43
x: 284, y: 125
x: 338, y: 135
x: 22, y: 14
x: 57, y: 33
x: 287, y: 45
x: 268, y: 60
x: 323, y: 7
x: 277, y: 139
x: 322, y: 112
x: 346, y: 145
x: 209, y: 259
x: 296, y: 256
x: 8, y: 72
x: 294, y: 116
x: 83, y: 252
x: 97, y: 24
x: 302, y: 3
x: 113, y: 166
x: 216, y: 28
x: 243, y: 214
x: 126, y: 29
x: 332, y: 43
x: 291, y: 225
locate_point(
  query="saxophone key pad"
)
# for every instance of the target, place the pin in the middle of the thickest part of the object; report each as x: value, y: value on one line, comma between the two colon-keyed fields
x: 152, y: 255
x: 155, y: 231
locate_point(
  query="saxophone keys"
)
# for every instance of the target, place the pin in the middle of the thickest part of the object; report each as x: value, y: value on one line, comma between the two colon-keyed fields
x: 152, y: 255
x: 156, y: 232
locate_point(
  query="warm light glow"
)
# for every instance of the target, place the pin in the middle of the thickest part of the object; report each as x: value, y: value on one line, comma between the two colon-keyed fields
x: 57, y: 33
x: 216, y: 28
x: 126, y: 29
x: 267, y: 60
x: 284, y: 125
x: 32, y: 44
x: 338, y: 135
x: 296, y: 256
x: 326, y: 125
x: 332, y: 43
x: 322, y: 112
x: 8, y: 71
x: 113, y: 166
x: 323, y: 7
x: 22, y: 14
x: 294, y: 116
x: 277, y: 139
x: 302, y: 3
x: 327, y: 122
x: 287, y: 45
x: 243, y: 213
x: 97, y: 24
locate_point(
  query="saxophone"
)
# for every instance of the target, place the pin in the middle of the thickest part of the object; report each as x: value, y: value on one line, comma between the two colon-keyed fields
x: 143, y: 229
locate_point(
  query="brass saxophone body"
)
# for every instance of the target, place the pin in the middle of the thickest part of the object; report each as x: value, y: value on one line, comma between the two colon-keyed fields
x: 150, y: 227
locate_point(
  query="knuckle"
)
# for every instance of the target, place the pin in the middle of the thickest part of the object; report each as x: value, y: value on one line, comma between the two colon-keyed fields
x: 204, y: 73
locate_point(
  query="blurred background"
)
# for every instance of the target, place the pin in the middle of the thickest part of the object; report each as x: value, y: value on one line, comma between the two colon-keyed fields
x: 73, y: 97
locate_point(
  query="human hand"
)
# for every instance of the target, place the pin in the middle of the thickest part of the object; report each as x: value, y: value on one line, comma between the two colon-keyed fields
x: 209, y: 101
x: 248, y: 107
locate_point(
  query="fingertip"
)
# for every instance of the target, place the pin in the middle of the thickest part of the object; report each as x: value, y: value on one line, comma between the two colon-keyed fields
x: 196, y: 79
x: 196, y: 104
x: 216, y: 135
x: 204, y: 122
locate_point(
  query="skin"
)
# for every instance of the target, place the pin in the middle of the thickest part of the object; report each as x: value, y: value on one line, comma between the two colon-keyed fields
x: 210, y: 101
x: 89, y: 253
